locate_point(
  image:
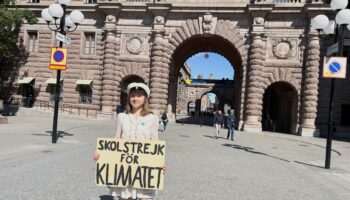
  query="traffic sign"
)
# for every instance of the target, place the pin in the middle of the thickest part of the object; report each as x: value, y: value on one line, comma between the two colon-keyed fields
x: 58, y: 59
x: 334, y: 67
x: 63, y: 38
x: 332, y: 49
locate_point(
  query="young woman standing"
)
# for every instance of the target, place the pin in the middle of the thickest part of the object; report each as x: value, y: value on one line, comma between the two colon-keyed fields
x: 136, y: 123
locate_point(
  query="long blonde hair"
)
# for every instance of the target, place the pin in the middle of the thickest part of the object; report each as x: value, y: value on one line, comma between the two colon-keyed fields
x: 145, y: 108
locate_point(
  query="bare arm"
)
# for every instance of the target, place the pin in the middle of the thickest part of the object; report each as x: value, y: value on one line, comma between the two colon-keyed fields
x: 154, y: 128
x: 118, y: 131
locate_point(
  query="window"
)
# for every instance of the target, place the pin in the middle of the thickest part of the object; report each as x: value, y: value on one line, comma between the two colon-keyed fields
x: 90, y: 1
x: 34, y: 1
x: 345, y: 115
x: 52, y: 90
x: 32, y: 41
x: 85, y: 93
x: 89, y: 45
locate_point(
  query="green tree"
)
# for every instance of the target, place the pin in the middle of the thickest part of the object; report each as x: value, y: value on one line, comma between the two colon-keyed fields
x: 12, y: 56
x: 11, y: 20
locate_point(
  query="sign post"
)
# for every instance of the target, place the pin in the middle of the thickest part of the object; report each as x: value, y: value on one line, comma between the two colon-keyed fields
x: 63, y: 38
x: 332, y: 49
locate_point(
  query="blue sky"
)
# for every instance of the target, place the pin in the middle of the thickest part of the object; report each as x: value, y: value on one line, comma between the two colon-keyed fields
x: 215, y: 64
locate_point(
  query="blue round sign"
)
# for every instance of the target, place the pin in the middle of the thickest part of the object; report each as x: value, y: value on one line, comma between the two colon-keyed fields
x: 334, y: 67
x: 58, y: 56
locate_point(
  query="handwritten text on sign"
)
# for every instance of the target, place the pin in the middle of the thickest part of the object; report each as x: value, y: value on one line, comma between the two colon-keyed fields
x: 135, y: 163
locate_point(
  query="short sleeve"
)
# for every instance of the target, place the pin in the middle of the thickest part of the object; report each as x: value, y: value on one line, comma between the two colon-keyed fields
x: 118, y: 131
x: 154, y: 128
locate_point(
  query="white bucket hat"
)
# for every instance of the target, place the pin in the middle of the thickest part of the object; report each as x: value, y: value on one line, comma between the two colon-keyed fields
x: 135, y: 85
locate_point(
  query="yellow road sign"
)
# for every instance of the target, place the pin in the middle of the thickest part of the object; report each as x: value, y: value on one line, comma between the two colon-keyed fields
x: 58, y: 59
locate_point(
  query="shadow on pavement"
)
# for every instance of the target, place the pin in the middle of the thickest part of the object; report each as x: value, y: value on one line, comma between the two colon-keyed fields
x: 214, y: 137
x: 251, y: 150
x: 106, y: 197
x: 309, y: 164
x: 309, y: 143
x: 202, y: 121
x: 59, y: 133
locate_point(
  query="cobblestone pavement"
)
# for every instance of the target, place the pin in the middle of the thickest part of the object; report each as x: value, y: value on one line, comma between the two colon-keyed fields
x: 254, y: 166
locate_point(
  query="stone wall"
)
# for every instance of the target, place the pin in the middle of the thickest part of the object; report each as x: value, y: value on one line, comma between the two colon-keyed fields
x: 265, y: 43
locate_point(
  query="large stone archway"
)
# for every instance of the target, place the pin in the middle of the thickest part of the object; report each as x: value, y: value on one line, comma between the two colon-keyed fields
x: 191, y: 38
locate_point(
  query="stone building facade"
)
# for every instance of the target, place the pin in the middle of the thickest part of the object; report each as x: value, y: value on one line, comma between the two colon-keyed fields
x: 275, y: 53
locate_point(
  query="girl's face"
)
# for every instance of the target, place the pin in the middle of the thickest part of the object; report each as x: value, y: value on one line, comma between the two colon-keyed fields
x: 137, y: 99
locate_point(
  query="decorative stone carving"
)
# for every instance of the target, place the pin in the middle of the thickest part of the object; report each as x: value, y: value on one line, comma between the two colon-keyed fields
x: 207, y: 22
x: 284, y: 48
x: 110, y: 18
x: 259, y: 20
x: 134, y: 45
x: 159, y: 19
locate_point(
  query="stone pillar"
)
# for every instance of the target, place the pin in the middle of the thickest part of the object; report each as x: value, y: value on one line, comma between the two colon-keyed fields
x: 310, y: 90
x: 159, y: 79
x: 108, y: 86
x: 173, y: 81
x: 160, y: 59
x: 255, y: 85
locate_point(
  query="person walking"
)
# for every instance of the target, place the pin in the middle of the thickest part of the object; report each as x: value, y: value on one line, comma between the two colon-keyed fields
x: 136, y: 123
x: 218, y: 122
x: 165, y: 119
x: 231, y: 120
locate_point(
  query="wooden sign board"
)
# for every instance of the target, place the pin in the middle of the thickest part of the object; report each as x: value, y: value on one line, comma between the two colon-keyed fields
x: 134, y: 163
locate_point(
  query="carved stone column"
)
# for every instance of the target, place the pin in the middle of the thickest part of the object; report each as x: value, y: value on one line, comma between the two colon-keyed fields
x: 160, y: 59
x: 108, y: 85
x: 255, y: 88
x: 310, y: 90
x: 159, y: 79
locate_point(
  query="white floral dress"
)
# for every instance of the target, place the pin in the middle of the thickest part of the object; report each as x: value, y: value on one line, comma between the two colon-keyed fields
x: 131, y: 127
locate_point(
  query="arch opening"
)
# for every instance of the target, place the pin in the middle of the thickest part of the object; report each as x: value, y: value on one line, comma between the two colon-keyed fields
x: 279, y: 108
x: 228, y: 90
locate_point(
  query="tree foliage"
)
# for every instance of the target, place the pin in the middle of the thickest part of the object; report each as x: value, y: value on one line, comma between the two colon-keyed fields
x: 11, y: 20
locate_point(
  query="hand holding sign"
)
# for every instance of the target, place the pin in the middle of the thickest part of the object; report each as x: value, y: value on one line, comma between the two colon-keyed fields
x: 124, y: 163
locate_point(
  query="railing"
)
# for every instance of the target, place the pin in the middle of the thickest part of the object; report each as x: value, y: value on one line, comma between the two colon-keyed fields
x: 66, y: 108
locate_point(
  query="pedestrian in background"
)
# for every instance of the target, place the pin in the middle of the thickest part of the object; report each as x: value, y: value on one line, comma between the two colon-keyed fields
x: 136, y: 123
x: 165, y: 119
x: 231, y: 120
x: 218, y: 122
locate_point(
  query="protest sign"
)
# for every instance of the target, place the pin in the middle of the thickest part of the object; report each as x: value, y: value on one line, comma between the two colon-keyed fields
x: 134, y: 163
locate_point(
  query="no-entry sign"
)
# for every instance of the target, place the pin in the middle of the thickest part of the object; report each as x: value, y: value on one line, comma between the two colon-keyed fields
x: 334, y: 67
x: 58, y: 59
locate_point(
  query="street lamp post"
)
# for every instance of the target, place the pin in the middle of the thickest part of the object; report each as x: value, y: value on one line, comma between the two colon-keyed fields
x: 67, y: 22
x: 337, y: 27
